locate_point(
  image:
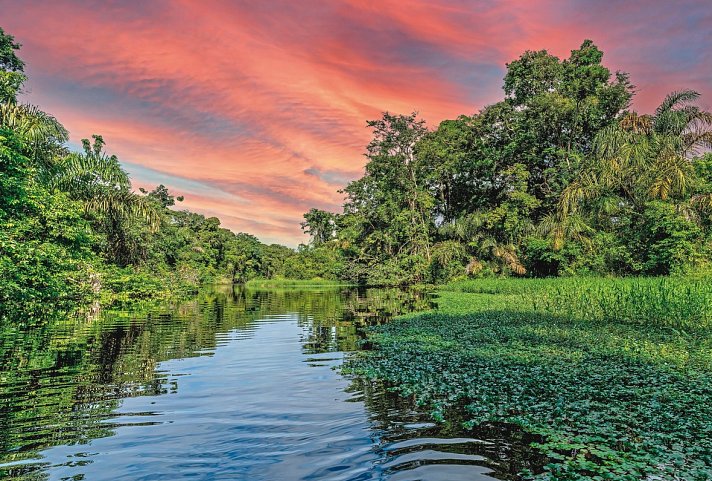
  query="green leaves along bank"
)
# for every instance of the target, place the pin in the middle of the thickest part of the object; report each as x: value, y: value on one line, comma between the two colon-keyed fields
x: 558, y: 178
x: 612, y: 392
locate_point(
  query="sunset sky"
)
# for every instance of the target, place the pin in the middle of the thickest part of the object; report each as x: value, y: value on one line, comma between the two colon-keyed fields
x: 255, y: 111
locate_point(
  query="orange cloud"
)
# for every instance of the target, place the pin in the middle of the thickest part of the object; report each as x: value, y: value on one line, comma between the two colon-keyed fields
x: 257, y: 111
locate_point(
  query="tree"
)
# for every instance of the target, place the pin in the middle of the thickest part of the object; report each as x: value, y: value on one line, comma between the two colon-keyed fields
x: 559, y: 106
x: 97, y: 179
x: 11, y: 68
x: 320, y: 225
x: 162, y: 196
x: 387, y: 211
x: 460, y: 161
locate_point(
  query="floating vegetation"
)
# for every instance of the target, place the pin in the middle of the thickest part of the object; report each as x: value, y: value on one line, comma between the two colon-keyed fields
x: 614, y: 376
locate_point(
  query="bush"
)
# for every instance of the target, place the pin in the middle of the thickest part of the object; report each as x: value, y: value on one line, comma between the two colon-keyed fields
x: 668, y: 242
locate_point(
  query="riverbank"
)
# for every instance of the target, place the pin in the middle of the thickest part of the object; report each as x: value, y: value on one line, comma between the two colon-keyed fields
x: 131, y: 287
x: 289, y: 283
x: 614, y: 376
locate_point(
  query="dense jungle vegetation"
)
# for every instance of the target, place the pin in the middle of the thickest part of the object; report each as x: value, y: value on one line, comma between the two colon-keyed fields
x: 72, y: 228
x: 558, y: 178
x: 613, y: 377
x: 561, y: 177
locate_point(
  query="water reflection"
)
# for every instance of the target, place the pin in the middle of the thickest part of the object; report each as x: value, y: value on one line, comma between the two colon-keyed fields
x: 235, y: 384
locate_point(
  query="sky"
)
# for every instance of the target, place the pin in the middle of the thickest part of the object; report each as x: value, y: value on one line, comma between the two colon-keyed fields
x: 256, y: 111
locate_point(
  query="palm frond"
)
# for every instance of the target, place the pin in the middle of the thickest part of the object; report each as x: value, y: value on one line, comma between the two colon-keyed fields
x: 559, y: 229
x: 42, y: 133
x: 702, y: 202
x: 676, y: 99
x: 696, y: 142
x: 124, y: 204
x: 474, y: 267
x: 446, y: 251
x: 83, y: 175
x: 31, y: 123
x: 578, y: 192
x: 507, y: 253
x: 638, y: 124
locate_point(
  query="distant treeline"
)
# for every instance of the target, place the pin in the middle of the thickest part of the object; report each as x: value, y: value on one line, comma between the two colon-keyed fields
x: 561, y: 177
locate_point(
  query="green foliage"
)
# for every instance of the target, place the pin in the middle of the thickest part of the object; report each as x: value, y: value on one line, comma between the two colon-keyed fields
x: 11, y: 68
x: 447, y: 260
x: 314, y: 263
x: 291, y: 283
x: 44, y: 242
x: 386, y: 218
x: 676, y: 303
x: 161, y: 195
x: 71, y: 225
x: 613, y: 376
x: 97, y: 179
x: 542, y: 259
x: 9, y: 61
x: 671, y: 241
x: 558, y: 178
x: 320, y: 225
x: 129, y: 284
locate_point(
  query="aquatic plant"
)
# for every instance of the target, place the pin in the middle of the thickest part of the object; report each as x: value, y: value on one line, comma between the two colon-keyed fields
x: 615, y: 376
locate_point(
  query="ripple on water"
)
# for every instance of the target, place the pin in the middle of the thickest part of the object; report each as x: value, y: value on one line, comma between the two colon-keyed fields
x: 233, y: 385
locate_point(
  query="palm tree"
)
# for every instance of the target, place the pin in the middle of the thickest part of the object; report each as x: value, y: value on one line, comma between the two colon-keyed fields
x: 90, y: 173
x: 645, y: 157
x: 98, y: 180
x: 485, y: 244
x: 91, y: 176
x: 41, y: 133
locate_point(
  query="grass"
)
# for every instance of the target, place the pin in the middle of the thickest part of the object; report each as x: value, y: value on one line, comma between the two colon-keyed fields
x: 659, y: 301
x: 614, y: 376
x: 282, y: 283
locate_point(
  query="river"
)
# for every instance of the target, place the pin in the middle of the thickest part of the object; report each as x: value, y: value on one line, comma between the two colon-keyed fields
x: 235, y: 384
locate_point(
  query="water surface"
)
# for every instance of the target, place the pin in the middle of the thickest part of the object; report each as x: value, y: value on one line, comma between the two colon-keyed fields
x: 236, y: 384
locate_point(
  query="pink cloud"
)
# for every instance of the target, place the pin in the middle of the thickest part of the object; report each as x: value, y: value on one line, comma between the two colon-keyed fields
x: 266, y: 104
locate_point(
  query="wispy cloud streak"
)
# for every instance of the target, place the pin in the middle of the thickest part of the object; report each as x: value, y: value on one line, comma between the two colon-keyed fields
x: 256, y: 111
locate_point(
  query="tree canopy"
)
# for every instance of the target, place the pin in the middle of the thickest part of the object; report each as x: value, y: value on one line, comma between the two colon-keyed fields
x: 559, y: 177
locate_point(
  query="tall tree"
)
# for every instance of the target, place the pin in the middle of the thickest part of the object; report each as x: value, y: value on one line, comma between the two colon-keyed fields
x: 320, y: 225
x: 97, y: 179
x: 388, y: 210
